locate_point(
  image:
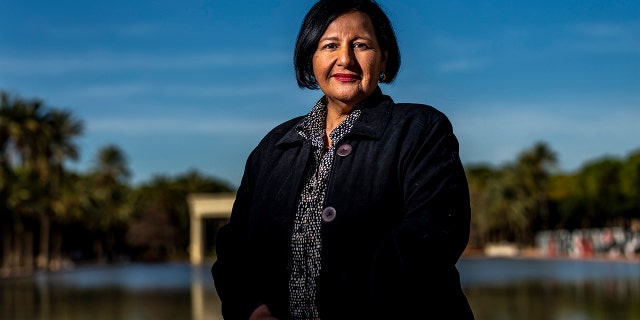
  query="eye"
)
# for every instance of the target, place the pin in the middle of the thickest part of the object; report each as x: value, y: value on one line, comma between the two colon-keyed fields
x: 360, y: 45
x: 330, y: 46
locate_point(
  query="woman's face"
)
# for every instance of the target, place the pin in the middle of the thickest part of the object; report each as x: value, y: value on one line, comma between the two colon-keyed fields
x: 348, y: 60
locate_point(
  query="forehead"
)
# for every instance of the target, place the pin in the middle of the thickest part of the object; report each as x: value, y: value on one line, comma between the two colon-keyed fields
x: 353, y: 20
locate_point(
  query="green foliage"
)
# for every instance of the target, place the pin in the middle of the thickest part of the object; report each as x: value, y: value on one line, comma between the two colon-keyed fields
x: 513, y: 202
x: 101, y: 215
x: 161, y: 221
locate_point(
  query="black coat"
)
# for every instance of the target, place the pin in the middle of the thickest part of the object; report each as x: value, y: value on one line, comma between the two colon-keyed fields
x: 401, y: 220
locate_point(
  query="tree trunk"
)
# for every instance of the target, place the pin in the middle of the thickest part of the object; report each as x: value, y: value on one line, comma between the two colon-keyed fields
x: 98, y: 249
x: 28, y: 250
x: 45, y: 233
x: 56, y: 251
x: 18, y: 252
x: 7, y: 248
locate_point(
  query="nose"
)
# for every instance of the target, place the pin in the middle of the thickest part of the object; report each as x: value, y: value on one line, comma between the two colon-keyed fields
x: 345, y: 55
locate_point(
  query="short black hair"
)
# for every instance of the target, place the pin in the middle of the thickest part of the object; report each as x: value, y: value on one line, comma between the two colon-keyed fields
x: 320, y: 16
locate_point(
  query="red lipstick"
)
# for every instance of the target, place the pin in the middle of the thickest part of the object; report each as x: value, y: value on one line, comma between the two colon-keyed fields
x: 346, y: 77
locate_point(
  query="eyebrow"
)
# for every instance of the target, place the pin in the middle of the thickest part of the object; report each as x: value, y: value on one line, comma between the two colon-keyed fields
x: 337, y: 38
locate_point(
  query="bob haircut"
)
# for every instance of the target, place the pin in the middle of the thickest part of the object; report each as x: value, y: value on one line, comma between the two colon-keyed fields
x: 315, y: 24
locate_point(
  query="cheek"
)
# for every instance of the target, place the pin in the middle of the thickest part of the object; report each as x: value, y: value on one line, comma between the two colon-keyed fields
x: 317, y: 65
x: 373, y: 66
x: 321, y: 69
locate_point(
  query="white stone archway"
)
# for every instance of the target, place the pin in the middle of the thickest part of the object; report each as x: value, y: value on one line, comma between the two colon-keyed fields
x: 205, y: 205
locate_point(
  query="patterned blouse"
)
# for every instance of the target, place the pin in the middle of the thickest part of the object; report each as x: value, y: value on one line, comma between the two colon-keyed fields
x: 304, y: 261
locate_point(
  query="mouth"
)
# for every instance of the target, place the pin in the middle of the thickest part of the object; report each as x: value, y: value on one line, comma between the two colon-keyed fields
x: 346, y: 77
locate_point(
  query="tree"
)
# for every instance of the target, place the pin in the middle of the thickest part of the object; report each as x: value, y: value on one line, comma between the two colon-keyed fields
x: 601, y: 183
x: 507, y: 201
x: 110, y: 191
x: 630, y: 176
x: 59, y: 129
x: 20, y: 121
x: 160, y: 227
x: 535, y: 167
x: 35, y: 141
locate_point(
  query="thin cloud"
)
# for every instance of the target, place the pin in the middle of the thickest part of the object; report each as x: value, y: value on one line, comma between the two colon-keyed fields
x: 498, y: 134
x: 607, y: 29
x: 177, y: 126
x: 528, y: 122
x: 460, y: 65
x: 63, y: 64
x: 126, y: 31
x: 458, y: 54
x: 457, y: 45
x: 605, y: 37
x: 158, y: 91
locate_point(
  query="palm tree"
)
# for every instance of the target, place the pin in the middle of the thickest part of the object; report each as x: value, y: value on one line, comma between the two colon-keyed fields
x: 56, y: 146
x: 34, y: 144
x: 109, y: 176
x: 6, y: 177
x: 20, y: 124
x: 70, y: 207
x: 601, y: 183
x: 535, y: 167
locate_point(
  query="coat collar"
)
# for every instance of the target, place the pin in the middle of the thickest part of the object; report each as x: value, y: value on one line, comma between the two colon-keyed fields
x: 376, y: 113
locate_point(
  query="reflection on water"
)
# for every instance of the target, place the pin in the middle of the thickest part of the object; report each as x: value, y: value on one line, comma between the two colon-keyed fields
x: 492, y: 271
x: 531, y: 289
x: 496, y: 288
x: 127, y: 292
x: 536, y: 300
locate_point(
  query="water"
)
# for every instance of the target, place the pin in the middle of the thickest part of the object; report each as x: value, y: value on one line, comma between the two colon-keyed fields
x: 526, y: 289
x: 125, y: 292
x: 497, y: 289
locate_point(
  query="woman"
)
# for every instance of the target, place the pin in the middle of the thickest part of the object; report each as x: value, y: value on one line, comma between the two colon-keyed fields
x: 357, y: 210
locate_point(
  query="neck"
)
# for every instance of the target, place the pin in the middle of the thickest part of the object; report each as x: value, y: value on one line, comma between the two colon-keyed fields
x: 333, y: 120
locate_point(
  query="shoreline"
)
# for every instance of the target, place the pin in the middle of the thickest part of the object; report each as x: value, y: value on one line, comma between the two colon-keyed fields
x: 529, y: 254
x: 535, y: 254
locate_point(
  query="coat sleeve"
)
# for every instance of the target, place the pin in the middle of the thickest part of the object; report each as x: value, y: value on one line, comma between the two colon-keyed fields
x: 417, y: 260
x: 230, y: 270
x: 437, y: 213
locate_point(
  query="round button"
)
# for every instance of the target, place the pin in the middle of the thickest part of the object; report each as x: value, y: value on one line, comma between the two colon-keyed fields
x: 328, y: 214
x: 345, y: 150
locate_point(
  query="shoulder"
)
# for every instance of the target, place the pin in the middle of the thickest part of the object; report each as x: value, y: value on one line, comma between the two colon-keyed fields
x: 418, y: 114
x: 279, y: 132
x: 416, y: 109
x: 283, y: 128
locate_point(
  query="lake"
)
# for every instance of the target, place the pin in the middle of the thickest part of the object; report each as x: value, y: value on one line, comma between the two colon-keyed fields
x: 497, y: 288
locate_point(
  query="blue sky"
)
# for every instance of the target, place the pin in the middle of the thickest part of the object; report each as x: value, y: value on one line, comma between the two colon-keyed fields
x: 181, y: 85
